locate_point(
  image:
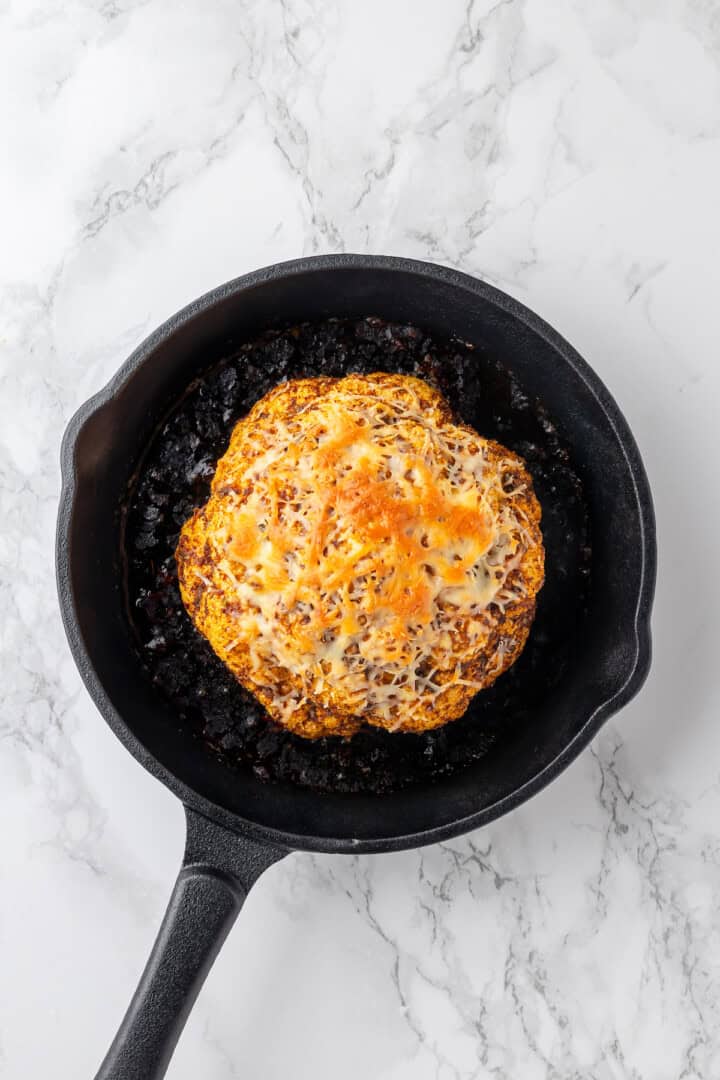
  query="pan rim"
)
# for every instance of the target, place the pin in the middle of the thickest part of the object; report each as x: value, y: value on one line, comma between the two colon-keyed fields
x: 641, y: 640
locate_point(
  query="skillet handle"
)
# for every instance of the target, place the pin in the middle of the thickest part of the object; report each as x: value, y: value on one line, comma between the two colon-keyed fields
x: 218, y: 870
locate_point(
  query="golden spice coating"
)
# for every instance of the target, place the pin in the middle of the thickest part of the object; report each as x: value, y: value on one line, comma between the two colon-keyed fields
x: 362, y: 558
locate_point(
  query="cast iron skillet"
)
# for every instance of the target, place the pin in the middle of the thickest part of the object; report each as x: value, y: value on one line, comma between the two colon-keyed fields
x: 237, y: 826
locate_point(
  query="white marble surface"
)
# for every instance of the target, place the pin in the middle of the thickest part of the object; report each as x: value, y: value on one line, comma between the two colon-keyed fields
x: 569, y: 152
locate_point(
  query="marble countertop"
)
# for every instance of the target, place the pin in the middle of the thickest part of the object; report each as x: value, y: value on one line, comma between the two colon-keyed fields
x: 569, y: 153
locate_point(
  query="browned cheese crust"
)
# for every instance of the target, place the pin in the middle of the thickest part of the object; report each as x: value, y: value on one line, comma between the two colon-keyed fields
x: 363, y: 558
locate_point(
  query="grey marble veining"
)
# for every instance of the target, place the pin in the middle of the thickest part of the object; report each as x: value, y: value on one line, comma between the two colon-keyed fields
x: 568, y: 152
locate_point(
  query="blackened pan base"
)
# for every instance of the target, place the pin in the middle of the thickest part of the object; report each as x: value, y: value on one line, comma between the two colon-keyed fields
x: 174, y: 478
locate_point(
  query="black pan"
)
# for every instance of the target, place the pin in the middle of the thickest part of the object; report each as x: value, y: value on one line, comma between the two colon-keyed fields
x: 237, y: 825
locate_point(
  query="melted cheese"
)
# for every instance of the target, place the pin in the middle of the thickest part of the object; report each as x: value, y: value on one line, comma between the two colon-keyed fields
x: 358, y: 545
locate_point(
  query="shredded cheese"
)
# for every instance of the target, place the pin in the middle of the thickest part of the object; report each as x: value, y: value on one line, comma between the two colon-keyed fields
x: 359, y: 545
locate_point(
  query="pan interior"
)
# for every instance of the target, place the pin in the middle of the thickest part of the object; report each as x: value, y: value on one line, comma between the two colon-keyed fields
x: 515, y: 385
x: 174, y: 478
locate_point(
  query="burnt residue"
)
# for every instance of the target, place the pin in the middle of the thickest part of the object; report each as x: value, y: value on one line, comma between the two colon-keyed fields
x: 174, y: 478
